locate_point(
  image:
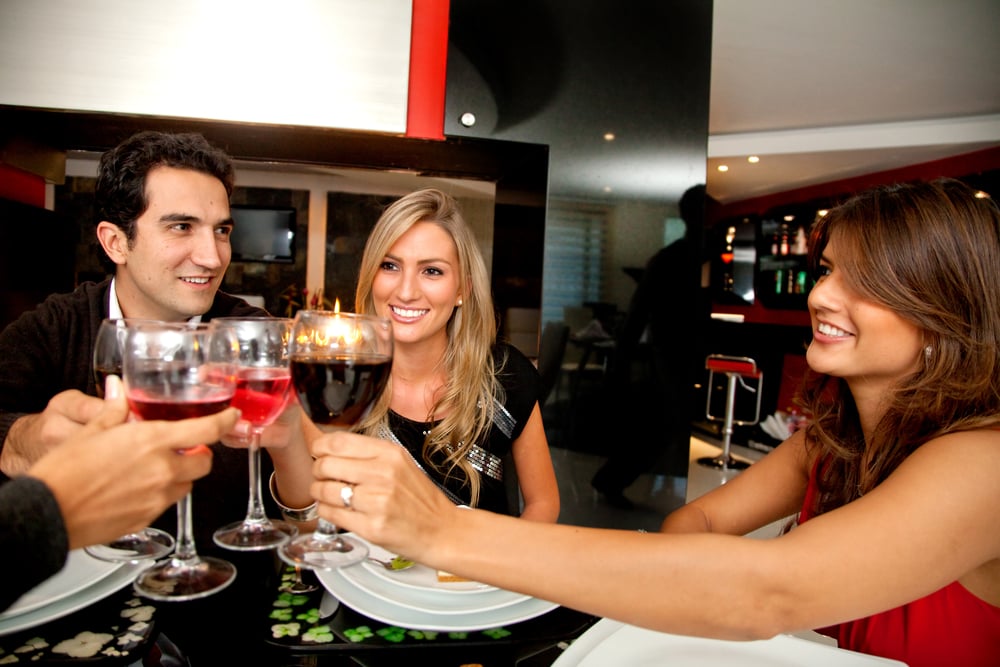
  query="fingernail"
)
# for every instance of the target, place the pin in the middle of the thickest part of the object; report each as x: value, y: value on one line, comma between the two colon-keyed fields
x: 112, y: 388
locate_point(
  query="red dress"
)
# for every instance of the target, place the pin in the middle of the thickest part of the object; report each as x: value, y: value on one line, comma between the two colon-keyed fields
x: 951, y: 626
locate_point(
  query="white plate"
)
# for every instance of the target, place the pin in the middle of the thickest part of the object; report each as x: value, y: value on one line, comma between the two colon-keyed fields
x: 419, y: 576
x: 121, y: 577
x: 612, y: 643
x: 393, y: 614
x: 434, y: 601
x: 80, y: 571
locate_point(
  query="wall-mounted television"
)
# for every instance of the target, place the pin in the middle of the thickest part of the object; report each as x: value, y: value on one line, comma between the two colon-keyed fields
x: 263, y: 234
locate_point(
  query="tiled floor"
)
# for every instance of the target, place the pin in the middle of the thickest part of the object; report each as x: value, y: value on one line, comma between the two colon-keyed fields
x: 654, y: 495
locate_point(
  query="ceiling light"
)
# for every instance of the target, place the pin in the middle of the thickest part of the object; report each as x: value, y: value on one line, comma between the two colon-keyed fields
x: 468, y: 119
x: 609, y: 136
x: 607, y: 188
x: 789, y: 218
x: 982, y: 195
x: 753, y: 159
x: 820, y: 213
x: 723, y: 167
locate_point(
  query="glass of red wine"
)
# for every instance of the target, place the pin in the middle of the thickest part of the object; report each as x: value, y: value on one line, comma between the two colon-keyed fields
x: 262, y: 392
x: 176, y: 371
x: 148, y: 543
x: 340, y: 364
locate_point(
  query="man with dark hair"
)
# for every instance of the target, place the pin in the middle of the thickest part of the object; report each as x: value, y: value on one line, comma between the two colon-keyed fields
x: 162, y: 203
x: 163, y: 208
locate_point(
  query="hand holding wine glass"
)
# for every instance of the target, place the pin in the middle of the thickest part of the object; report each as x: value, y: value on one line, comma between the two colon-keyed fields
x: 175, y: 371
x: 340, y: 363
x: 148, y: 543
x: 262, y: 391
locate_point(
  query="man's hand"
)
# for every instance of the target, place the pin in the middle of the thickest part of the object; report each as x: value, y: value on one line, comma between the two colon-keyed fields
x: 32, y: 436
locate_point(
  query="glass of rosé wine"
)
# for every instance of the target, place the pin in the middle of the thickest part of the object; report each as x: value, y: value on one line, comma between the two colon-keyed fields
x: 148, y: 543
x: 340, y: 364
x: 263, y: 379
x: 176, y: 371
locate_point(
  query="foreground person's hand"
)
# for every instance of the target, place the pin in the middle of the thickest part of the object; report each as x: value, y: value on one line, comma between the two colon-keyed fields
x: 394, y: 504
x: 114, y: 477
x: 32, y: 436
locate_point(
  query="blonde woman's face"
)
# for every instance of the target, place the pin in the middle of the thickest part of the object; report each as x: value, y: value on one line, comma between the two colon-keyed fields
x: 417, y: 284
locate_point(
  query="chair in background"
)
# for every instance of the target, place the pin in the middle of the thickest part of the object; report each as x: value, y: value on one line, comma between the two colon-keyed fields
x: 551, y: 350
x: 521, y: 327
x: 736, y: 370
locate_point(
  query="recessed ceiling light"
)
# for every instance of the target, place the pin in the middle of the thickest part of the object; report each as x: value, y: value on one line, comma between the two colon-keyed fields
x: 607, y: 188
x: 789, y: 218
x: 723, y: 167
x: 822, y: 212
x: 468, y: 119
x: 982, y: 195
x: 753, y: 159
x: 609, y: 136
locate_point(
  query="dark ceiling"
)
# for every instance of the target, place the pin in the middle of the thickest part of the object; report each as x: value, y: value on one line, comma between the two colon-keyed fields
x: 535, y: 72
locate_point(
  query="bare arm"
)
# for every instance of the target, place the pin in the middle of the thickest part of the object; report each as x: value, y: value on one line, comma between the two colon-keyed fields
x: 902, y: 541
x: 285, y: 443
x: 535, y: 473
x: 769, y: 490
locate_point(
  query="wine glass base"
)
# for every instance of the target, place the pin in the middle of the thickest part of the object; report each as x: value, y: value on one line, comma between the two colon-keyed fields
x: 254, y: 536
x: 175, y: 580
x: 146, y: 544
x: 322, y: 553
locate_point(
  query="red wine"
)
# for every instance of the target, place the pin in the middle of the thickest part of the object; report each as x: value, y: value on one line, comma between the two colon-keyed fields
x: 336, y: 390
x: 261, y: 393
x: 195, y: 402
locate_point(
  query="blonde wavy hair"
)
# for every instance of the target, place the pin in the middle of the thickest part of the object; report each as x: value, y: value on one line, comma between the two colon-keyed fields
x: 471, y: 386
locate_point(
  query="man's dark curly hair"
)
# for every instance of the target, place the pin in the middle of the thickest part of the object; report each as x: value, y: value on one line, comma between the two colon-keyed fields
x: 120, y: 193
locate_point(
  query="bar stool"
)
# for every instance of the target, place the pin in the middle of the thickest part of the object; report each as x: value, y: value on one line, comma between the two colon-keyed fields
x: 736, y: 370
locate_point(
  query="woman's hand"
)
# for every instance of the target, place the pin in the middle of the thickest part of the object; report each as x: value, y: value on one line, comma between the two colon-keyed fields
x: 394, y: 504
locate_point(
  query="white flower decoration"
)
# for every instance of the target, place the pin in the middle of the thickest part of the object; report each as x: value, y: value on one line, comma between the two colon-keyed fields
x: 84, y: 645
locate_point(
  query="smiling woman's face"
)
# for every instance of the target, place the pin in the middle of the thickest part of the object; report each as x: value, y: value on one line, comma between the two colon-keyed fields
x: 855, y: 338
x: 417, y: 285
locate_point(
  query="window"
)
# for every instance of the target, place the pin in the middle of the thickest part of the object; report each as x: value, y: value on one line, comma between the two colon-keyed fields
x: 574, y: 255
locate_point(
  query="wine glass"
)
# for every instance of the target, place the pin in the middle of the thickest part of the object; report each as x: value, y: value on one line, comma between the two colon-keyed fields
x: 340, y: 364
x: 262, y: 382
x: 148, y: 543
x: 177, y: 371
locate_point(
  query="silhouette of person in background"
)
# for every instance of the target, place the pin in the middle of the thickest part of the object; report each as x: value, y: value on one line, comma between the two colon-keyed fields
x: 657, y: 358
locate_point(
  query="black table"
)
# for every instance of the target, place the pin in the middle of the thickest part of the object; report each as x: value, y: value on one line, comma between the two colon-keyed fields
x: 259, y: 621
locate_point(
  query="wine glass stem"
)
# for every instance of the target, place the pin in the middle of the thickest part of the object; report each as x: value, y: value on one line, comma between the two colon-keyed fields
x: 326, y: 531
x: 255, y: 506
x: 185, y: 550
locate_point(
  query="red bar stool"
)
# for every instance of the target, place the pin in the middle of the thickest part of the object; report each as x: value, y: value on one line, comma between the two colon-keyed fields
x: 737, y: 369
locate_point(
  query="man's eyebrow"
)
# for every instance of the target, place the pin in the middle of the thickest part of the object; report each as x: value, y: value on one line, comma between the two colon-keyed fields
x: 178, y: 217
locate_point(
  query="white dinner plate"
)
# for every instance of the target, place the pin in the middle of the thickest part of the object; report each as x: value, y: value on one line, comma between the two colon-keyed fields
x: 612, y: 643
x: 80, y: 571
x: 431, y: 600
x: 404, y: 617
x: 123, y: 576
x: 419, y: 576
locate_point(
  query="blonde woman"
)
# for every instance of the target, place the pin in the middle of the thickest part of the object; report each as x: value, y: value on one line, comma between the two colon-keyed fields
x: 457, y: 400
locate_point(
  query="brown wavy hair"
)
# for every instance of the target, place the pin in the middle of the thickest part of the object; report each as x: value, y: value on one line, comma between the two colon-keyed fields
x: 468, y: 399
x: 930, y: 252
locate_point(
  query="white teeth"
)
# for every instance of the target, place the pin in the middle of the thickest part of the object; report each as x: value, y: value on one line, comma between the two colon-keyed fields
x: 829, y: 330
x: 196, y: 281
x: 409, y: 312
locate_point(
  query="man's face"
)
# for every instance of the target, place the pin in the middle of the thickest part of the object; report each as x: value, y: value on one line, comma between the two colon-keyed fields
x: 180, y: 251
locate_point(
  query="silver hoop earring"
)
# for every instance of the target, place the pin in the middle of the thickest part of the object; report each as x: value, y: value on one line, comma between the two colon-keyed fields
x: 928, y: 351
